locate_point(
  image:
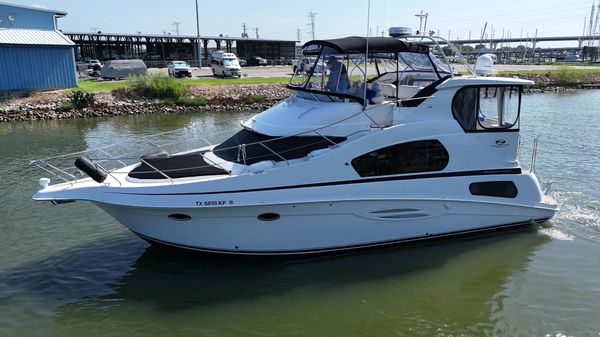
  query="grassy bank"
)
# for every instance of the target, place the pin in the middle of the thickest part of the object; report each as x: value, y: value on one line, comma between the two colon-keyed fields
x: 571, y: 64
x: 107, y: 86
x: 563, y: 77
x: 569, y: 72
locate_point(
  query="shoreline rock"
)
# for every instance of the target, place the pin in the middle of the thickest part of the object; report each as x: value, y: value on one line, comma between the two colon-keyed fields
x: 219, y: 98
x: 243, y: 97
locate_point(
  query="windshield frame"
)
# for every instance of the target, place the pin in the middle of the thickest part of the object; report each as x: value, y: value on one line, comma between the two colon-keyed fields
x: 304, y: 81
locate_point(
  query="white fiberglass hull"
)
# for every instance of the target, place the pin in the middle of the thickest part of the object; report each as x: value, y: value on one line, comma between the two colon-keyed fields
x: 316, y: 217
x: 320, y: 226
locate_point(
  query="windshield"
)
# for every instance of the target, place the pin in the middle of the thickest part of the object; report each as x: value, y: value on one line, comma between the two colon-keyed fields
x: 231, y: 62
x: 341, y: 76
x: 180, y: 64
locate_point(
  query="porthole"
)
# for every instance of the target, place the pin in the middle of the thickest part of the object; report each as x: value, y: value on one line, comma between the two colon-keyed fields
x: 180, y: 217
x: 268, y: 216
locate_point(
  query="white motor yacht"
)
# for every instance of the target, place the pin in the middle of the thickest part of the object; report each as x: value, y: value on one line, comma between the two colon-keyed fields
x: 387, y: 146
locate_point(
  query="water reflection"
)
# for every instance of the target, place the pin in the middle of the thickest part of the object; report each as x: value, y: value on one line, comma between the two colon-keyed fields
x: 91, y: 278
x: 434, y: 286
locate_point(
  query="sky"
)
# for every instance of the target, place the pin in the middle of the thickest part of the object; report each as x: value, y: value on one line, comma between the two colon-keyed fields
x: 280, y: 19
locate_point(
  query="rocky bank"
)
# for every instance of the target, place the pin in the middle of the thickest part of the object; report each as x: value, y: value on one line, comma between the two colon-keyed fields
x: 241, y: 97
x: 48, y: 105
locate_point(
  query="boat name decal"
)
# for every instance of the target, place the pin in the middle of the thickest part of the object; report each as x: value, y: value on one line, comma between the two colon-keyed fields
x: 209, y: 203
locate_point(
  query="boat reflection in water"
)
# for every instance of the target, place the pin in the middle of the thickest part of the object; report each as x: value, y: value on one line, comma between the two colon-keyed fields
x: 450, y: 285
x: 431, y: 288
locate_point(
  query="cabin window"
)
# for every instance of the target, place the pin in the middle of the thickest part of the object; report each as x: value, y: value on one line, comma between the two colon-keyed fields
x: 488, y: 108
x: 502, y: 189
x: 411, y: 157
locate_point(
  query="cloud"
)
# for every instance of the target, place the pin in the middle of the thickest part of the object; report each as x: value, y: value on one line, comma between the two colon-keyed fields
x: 39, y: 6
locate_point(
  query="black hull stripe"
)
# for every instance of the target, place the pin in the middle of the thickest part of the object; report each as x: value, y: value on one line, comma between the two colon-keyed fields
x: 350, y: 247
x: 356, y: 181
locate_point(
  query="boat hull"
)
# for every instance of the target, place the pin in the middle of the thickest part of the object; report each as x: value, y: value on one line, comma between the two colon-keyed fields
x: 297, y: 228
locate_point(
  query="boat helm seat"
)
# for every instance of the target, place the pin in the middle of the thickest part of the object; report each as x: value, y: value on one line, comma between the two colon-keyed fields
x: 387, y: 89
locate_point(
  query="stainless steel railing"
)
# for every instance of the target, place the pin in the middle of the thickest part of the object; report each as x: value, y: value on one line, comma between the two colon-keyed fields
x: 115, y: 157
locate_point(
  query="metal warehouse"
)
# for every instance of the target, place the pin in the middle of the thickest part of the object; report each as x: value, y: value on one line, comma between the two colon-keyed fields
x: 33, y: 53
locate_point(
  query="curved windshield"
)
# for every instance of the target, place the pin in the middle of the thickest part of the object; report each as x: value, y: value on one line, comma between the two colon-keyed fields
x: 332, y: 72
x: 328, y: 74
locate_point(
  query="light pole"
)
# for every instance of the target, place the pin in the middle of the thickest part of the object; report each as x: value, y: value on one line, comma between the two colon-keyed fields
x: 199, y: 53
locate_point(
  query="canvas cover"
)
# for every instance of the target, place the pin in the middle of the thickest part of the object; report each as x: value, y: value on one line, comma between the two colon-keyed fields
x: 123, y: 68
x: 358, y: 44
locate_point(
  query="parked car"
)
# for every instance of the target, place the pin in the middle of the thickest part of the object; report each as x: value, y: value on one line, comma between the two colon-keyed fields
x: 91, y: 63
x: 225, y: 64
x: 117, y: 69
x: 243, y: 62
x: 179, y: 69
x: 257, y: 61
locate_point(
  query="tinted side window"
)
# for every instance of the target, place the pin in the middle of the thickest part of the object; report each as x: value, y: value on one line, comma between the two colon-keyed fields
x: 503, y: 189
x: 411, y: 157
x: 464, y: 107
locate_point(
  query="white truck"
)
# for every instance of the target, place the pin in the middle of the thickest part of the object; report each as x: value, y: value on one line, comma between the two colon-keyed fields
x: 225, y: 64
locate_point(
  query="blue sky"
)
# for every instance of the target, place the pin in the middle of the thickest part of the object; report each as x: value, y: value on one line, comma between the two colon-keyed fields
x: 279, y: 19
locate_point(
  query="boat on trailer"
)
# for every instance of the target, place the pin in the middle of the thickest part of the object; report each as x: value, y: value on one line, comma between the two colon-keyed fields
x: 388, y: 145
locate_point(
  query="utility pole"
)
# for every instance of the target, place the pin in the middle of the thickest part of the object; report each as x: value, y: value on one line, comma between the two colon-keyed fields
x: 176, y: 24
x: 311, y: 15
x: 245, y: 32
x: 483, y: 33
x: 534, y: 44
x: 298, y: 35
x: 596, y: 30
x: 590, y: 27
x: 199, y: 52
x: 256, y: 31
x: 422, y: 16
x: 595, y: 24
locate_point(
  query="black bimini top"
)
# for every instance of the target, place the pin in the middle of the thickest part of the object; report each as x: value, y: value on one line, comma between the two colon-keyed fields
x: 358, y: 44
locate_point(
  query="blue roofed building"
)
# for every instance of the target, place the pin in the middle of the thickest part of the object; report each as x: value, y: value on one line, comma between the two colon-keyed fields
x: 34, y: 54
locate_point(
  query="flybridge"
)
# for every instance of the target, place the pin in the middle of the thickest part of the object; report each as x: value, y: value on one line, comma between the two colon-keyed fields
x: 394, y: 70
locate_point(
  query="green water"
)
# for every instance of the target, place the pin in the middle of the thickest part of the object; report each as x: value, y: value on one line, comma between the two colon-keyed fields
x: 71, y: 270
